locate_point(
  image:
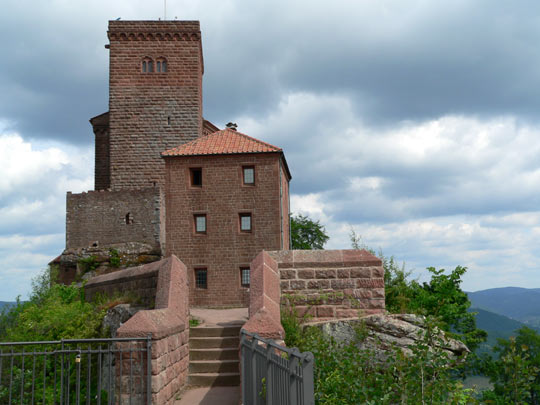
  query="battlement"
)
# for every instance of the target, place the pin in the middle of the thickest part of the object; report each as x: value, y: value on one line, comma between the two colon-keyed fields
x: 154, y: 30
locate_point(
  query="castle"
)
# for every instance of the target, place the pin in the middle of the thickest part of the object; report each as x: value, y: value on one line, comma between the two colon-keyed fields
x: 169, y: 182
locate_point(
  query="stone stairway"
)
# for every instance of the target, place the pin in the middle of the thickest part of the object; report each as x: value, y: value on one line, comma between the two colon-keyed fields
x: 213, y: 356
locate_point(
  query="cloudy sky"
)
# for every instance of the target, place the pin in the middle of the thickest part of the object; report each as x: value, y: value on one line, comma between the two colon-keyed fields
x: 415, y: 123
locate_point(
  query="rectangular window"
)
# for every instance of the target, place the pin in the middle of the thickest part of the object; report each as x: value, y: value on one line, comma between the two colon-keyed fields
x: 244, y: 276
x: 200, y: 223
x: 245, y: 222
x: 196, y: 177
x: 201, y: 279
x: 249, y: 175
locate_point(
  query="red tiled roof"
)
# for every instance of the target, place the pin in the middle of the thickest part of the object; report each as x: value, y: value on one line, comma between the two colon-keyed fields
x: 224, y: 142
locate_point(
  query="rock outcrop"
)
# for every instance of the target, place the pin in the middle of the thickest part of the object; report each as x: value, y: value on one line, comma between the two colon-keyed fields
x: 382, y: 332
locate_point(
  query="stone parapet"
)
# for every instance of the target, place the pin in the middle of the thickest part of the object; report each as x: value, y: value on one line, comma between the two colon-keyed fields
x: 167, y: 325
x: 331, y: 284
x: 264, y: 308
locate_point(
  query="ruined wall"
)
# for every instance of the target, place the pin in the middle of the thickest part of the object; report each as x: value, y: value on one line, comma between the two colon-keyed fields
x: 109, y: 217
x: 140, y: 282
x: 331, y: 284
x: 151, y: 112
x: 223, y: 249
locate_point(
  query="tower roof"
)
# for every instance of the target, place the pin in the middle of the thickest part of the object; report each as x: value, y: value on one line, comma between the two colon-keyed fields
x: 224, y: 142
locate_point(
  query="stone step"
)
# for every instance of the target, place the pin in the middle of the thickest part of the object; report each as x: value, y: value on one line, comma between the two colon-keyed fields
x: 214, y: 379
x: 214, y: 342
x: 214, y: 354
x: 215, y: 331
x: 214, y: 366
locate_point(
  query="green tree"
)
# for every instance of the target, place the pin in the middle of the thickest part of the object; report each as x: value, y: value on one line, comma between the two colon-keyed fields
x: 54, y: 311
x: 515, y: 374
x: 441, y: 298
x: 307, y: 234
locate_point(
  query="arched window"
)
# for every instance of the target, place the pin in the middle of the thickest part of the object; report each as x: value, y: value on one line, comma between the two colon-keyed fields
x: 161, y: 65
x: 147, y: 65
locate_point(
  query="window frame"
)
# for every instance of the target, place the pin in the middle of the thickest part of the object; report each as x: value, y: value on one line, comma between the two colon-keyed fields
x: 245, y: 215
x: 147, y: 65
x: 242, y: 269
x: 198, y: 270
x: 244, y: 168
x: 195, y: 216
x: 192, y: 171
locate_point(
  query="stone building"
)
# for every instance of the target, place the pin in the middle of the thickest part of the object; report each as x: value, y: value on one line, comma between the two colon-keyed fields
x: 167, y: 181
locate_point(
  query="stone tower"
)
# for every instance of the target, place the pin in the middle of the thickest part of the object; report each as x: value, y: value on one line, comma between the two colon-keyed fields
x: 155, y: 100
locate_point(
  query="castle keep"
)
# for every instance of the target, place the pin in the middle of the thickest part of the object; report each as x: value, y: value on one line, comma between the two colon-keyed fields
x: 169, y: 182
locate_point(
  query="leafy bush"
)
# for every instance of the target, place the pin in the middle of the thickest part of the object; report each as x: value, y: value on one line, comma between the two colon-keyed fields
x: 347, y: 375
x: 88, y: 264
x: 114, y: 257
x: 516, y: 373
x: 53, y: 312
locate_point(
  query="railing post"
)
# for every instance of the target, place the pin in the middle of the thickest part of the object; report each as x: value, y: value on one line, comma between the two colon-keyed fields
x: 307, y: 379
x: 269, y: 381
x: 293, y: 363
x: 149, y: 370
x: 243, y: 362
x: 253, y: 382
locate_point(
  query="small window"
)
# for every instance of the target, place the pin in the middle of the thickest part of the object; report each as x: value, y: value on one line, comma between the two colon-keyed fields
x: 200, y: 223
x: 196, y: 177
x: 201, y: 279
x: 129, y: 218
x: 147, y: 65
x: 245, y: 222
x: 249, y: 175
x: 161, y: 65
x: 244, y: 276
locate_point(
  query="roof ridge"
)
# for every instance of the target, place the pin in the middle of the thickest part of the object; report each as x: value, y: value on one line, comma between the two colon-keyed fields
x: 250, y: 137
x: 224, y: 141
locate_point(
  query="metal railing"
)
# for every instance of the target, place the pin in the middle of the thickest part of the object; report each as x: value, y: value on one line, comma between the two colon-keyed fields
x: 273, y: 374
x: 83, y: 371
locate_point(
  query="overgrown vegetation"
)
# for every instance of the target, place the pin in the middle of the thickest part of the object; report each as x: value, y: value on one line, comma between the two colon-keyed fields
x: 87, y: 264
x: 54, y: 311
x: 114, y: 257
x: 346, y: 374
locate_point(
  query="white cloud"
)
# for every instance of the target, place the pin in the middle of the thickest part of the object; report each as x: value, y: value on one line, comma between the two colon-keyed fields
x: 32, y: 205
x: 452, y: 191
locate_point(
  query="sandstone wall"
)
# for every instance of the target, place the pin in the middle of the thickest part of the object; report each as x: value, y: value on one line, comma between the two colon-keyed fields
x: 109, y: 217
x: 331, y: 284
x: 151, y: 112
x: 168, y: 325
x: 223, y: 249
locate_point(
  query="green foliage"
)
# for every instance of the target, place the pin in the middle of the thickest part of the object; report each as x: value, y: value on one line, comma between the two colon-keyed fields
x: 515, y: 375
x: 54, y: 311
x: 114, y: 257
x: 193, y: 322
x: 441, y: 298
x: 307, y: 234
x: 346, y: 374
x: 88, y: 263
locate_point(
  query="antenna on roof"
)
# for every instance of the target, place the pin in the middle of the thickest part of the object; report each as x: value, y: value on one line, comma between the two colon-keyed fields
x: 232, y: 125
x: 164, y: 10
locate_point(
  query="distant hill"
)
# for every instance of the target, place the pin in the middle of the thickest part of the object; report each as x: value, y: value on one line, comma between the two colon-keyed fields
x: 6, y: 303
x: 497, y: 326
x: 521, y: 304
